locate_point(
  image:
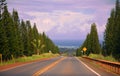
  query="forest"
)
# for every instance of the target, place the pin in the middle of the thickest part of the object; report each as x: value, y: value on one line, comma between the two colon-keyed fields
x: 111, y: 43
x: 19, y: 38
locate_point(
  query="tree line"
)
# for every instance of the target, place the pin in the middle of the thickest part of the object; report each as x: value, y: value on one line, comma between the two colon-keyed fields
x: 111, y: 43
x: 19, y: 38
x: 91, y: 43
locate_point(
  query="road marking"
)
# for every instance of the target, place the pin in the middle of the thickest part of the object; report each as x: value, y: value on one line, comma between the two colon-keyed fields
x: 21, y: 65
x: 39, y: 72
x: 88, y: 67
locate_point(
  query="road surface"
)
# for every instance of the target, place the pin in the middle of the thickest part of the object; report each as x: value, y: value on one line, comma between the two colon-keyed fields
x: 69, y: 66
x: 29, y: 69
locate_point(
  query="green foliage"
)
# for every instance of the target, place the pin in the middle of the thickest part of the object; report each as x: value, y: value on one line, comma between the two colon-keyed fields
x: 91, y: 43
x: 94, y: 41
x: 99, y: 56
x: 109, y: 36
x: 111, y: 44
x: 17, y: 37
x: 78, y: 52
x: 29, y: 58
x: 37, y: 45
x: 49, y: 45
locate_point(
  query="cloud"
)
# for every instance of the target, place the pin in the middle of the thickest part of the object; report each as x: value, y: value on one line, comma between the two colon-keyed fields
x: 64, y: 17
x: 61, y: 22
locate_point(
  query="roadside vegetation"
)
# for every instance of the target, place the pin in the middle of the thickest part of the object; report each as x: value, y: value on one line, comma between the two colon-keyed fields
x: 110, y: 48
x: 100, y: 56
x: 20, y: 40
x: 29, y: 58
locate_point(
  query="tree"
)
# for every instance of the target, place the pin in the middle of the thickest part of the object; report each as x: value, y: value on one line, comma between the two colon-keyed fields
x: 17, y: 37
x: 112, y: 37
x: 30, y: 38
x: 116, y: 52
x: 49, y: 45
x: 109, y: 35
x: 91, y: 42
x: 8, y: 27
x: 37, y: 45
x: 2, y: 5
x: 23, y: 33
x: 3, y: 38
x: 35, y: 32
x: 95, y: 46
x: 86, y: 44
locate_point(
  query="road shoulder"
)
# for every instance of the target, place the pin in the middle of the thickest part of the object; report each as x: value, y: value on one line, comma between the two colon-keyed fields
x: 19, y: 64
x: 97, y: 68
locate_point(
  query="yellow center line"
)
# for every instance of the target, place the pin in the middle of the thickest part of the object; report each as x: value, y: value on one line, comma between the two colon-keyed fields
x: 39, y: 72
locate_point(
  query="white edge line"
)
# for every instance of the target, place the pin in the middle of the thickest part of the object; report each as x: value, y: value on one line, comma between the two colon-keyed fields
x: 88, y: 67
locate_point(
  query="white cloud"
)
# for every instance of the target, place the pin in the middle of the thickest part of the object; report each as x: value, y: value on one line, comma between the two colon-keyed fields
x: 62, y: 21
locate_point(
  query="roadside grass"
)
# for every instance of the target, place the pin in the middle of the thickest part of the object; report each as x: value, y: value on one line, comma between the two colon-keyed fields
x: 99, y: 56
x: 29, y: 58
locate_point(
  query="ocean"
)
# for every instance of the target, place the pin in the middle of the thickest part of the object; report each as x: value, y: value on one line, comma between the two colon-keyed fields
x: 68, y: 43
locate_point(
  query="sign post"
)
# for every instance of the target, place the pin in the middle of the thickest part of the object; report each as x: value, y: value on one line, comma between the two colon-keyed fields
x: 84, y: 49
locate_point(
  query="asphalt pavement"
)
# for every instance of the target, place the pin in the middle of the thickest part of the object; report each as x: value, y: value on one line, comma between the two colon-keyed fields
x: 69, y: 66
x: 29, y: 69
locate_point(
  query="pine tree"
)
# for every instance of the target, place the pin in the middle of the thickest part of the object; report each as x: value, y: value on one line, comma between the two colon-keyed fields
x: 95, y: 46
x: 30, y: 47
x: 3, y: 37
x: 88, y: 45
x: 116, y: 52
x: 112, y: 37
x: 17, y: 37
x: 24, y: 38
x: 6, y: 22
x: 109, y: 35
x: 35, y: 32
x: 2, y: 5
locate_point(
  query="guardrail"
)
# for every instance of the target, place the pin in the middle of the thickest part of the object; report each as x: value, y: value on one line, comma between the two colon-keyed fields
x: 112, y: 66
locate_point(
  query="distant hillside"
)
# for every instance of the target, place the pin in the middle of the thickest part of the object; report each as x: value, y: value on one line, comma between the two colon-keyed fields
x: 68, y: 43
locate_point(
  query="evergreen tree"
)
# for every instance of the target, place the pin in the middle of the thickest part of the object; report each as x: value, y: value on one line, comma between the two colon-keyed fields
x: 7, y: 24
x: 3, y: 38
x: 88, y: 45
x: 35, y: 35
x: 95, y: 46
x: 35, y: 32
x: 112, y: 37
x: 116, y: 52
x: 30, y: 47
x: 91, y: 42
x: 24, y: 37
x: 2, y: 5
x: 17, y: 37
x: 109, y: 35
x: 49, y: 45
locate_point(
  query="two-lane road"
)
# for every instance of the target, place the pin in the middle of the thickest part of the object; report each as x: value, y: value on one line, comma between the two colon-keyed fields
x: 68, y: 66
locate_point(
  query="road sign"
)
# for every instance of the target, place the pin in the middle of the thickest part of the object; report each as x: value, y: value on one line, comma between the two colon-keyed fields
x: 84, y: 49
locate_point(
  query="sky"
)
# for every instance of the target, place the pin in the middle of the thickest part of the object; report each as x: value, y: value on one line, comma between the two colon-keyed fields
x: 64, y: 19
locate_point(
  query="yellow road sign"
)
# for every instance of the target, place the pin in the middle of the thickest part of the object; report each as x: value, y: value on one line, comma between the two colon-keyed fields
x: 84, y: 49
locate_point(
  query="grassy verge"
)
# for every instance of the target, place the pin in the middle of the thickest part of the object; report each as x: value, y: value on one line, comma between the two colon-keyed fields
x: 99, y: 56
x: 29, y: 58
